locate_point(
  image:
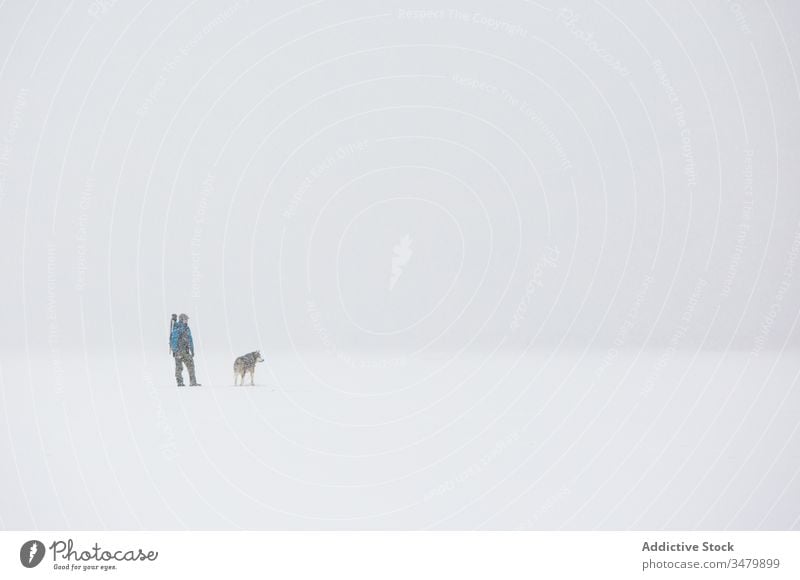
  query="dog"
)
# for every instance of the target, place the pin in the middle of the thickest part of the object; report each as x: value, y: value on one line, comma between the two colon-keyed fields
x: 246, y: 364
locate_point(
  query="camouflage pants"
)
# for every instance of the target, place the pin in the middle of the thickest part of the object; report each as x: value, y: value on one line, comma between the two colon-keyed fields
x: 184, y: 358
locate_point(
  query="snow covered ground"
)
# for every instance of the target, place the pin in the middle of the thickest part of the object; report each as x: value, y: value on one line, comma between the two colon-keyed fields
x: 538, y: 440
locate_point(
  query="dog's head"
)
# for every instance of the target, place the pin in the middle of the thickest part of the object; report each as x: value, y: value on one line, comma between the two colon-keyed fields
x: 257, y: 354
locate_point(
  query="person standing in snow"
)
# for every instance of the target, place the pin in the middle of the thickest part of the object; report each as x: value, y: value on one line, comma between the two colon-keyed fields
x: 182, y: 346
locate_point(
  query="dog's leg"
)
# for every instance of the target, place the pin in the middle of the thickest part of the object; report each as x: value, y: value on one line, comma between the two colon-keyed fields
x: 253, y: 377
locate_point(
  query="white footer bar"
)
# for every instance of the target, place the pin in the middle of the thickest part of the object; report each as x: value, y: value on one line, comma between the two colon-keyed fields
x: 406, y: 555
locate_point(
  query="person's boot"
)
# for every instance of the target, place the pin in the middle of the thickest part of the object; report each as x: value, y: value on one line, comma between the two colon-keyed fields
x: 180, y: 384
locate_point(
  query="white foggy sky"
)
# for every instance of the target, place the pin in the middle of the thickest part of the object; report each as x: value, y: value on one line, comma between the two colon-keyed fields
x: 465, y: 127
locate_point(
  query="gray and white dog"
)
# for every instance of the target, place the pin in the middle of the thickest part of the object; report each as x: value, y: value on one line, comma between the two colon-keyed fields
x: 246, y: 364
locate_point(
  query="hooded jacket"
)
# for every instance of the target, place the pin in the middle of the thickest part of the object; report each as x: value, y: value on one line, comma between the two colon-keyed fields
x: 180, y: 341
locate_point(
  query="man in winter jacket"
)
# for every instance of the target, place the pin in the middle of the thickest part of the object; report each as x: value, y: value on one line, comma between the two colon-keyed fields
x: 180, y: 341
